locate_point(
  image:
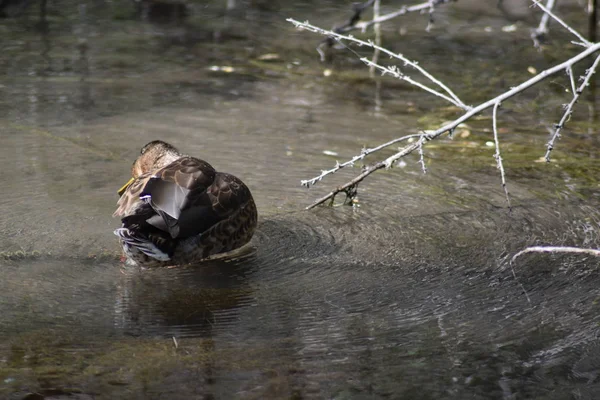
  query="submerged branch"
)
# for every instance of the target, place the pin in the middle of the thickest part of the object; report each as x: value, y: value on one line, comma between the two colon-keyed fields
x: 555, y: 249
x: 421, y: 155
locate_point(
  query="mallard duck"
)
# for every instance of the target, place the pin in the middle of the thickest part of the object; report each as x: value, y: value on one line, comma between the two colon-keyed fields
x: 177, y: 209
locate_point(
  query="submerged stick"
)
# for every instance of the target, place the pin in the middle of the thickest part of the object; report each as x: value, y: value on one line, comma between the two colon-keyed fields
x: 556, y: 249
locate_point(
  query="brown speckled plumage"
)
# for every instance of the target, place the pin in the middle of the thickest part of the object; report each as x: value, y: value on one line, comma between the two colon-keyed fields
x: 177, y: 209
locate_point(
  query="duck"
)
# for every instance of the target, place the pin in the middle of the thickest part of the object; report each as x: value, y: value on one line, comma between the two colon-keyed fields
x: 177, y: 210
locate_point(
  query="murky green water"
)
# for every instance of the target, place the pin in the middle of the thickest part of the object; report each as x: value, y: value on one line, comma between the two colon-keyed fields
x: 408, y: 296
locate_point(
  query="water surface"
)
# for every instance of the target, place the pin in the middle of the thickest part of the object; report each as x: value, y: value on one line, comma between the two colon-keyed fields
x: 409, y: 294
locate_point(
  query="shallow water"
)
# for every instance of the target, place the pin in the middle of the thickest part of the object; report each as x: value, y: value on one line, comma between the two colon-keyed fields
x: 409, y: 294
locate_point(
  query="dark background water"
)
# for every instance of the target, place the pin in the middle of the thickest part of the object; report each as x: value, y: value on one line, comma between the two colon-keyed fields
x: 407, y: 295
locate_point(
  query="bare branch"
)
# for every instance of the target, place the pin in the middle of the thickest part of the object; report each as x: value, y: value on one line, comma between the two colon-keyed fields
x: 368, y: 171
x: 569, y: 109
x: 353, y: 22
x: 362, y: 155
x: 497, y: 155
x: 572, y: 80
x: 395, y: 72
x: 421, y: 156
x: 449, y: 127
x: 358, y: 8
x: 406, y: 61
x: 546, y: 10
x: 567, y: 65
x: 549, y: 249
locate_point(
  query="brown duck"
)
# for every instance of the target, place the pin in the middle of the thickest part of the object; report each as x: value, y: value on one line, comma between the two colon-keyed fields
x: 177, y: 209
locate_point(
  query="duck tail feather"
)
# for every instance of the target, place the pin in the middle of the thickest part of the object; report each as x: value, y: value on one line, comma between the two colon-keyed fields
x: 142, y: 244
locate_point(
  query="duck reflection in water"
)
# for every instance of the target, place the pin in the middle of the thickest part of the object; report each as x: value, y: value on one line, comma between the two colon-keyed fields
x: 183, y: 302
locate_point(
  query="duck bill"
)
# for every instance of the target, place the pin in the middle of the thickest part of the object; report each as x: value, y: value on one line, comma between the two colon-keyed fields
x: 125, y: 186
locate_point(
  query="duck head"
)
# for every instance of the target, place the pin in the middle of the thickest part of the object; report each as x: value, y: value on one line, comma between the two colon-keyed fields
x: 153, y: 156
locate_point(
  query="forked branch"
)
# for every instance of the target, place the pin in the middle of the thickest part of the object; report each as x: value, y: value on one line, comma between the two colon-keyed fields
x: 395, y: 71
x: 447, y: 94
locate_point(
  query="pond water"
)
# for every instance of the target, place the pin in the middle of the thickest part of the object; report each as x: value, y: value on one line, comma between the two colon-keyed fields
x: 409, y: 294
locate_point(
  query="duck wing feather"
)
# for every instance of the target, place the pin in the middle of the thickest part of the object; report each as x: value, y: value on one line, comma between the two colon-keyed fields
x: 185, y: 198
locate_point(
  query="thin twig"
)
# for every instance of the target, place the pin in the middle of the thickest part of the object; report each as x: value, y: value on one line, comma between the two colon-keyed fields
x: 105, y: 154
x: 497, y: 155
x: 395, y: 72
x: 421, y: 155
x: 582, y: 40
x: 572, y: 80
x: 311, y: 28
x: 368, y: 171
x: 549, y: 249
x: 362, y: 155
x: 555, y: 249
x: 569, y: 108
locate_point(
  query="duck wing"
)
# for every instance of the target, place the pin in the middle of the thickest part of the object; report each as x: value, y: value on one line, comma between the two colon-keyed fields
x: 178, y: 195
x: 192, y: 210
x: 183, y: 199
x: 228, y: 194
x: 205, y: 207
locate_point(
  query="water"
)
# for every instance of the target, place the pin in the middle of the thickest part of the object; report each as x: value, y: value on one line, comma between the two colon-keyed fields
x: 409, y: 294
